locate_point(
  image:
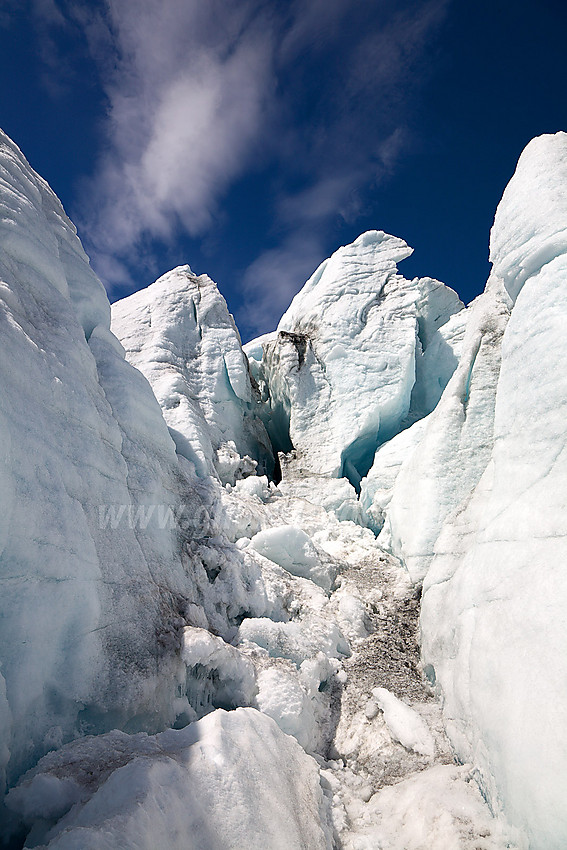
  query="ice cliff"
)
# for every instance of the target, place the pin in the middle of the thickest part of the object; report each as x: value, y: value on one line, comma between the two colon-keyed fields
x: 179, y: 334
x: 357, y: 356
x: 102, y: 523
x: 195, y: 654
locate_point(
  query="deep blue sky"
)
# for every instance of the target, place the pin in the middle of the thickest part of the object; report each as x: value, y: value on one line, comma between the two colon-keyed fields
x: 250, y: 139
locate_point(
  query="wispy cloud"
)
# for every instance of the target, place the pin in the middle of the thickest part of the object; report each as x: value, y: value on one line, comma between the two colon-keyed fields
x: 352, y: 140
x: 199, y: 92
x: 271, y: 281
x: 188, y: 87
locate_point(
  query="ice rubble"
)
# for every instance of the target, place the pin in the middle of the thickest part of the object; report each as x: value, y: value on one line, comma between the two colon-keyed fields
x: 179, y: 333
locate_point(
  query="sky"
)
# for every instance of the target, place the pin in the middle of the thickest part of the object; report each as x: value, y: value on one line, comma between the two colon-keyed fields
x: 252, y: 138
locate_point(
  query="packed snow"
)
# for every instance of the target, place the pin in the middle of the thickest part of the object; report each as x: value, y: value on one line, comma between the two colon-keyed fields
x: 199, y: 788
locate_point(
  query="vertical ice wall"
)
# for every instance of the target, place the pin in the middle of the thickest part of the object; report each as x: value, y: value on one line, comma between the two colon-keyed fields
x: 348, y: 367
x: 96, y: 579
x: 493, y: 620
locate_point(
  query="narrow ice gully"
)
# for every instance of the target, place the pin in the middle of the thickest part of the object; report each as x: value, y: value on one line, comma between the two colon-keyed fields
x: 309, y: 594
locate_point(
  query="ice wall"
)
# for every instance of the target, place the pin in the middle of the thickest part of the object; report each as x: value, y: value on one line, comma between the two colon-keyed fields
x: 348, y: 367
x: 493, y: 621
x: 179, y: 333
x: 98, y: 572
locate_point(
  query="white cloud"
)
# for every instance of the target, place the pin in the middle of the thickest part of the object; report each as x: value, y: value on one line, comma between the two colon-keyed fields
x: 188, y: 89
x: 200, y: 90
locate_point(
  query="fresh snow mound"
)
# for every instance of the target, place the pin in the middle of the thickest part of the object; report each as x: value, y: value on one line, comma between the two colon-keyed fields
x: 179, y: 333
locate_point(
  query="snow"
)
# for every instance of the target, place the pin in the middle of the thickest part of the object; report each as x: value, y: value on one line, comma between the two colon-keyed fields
x: 179, y: 333
x: 200, y: 788
x: 404, y: 724
x: 296, y: 641
x: 282, y: 698
x: 436, y: 809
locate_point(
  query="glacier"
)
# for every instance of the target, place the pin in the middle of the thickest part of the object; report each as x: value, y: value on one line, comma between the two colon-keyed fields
x: 96, y: 575
x: 302, y: 593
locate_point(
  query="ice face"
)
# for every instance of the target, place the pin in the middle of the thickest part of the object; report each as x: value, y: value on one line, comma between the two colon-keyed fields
x: 441, y: 458
x: 96, y: 506
x: 179, y: 333
x: 529, y: 227
x: 493, y: 617
x: 341, y: 370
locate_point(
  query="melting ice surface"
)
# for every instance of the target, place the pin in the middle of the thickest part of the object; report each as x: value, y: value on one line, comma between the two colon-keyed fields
x: 195, y: 656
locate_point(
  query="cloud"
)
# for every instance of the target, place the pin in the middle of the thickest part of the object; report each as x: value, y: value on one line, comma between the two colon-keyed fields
x: 188, y: 89
x: 357, y: 134
x: 199, y: 93
x: 272, y: 280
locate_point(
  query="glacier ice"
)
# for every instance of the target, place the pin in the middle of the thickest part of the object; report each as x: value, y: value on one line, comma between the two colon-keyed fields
x: 293, y: 549
x: 450, y: 448
x: 179, y: 333
x: 493, y: 619
x: 341, y: 369
x: 97, y: 577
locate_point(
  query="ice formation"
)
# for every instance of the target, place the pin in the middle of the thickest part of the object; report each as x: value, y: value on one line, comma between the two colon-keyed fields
x: 498, y: 571
x: 348, y: 366
x: 103, y: 525
x: 179, y: 334
x: 193, y: 655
